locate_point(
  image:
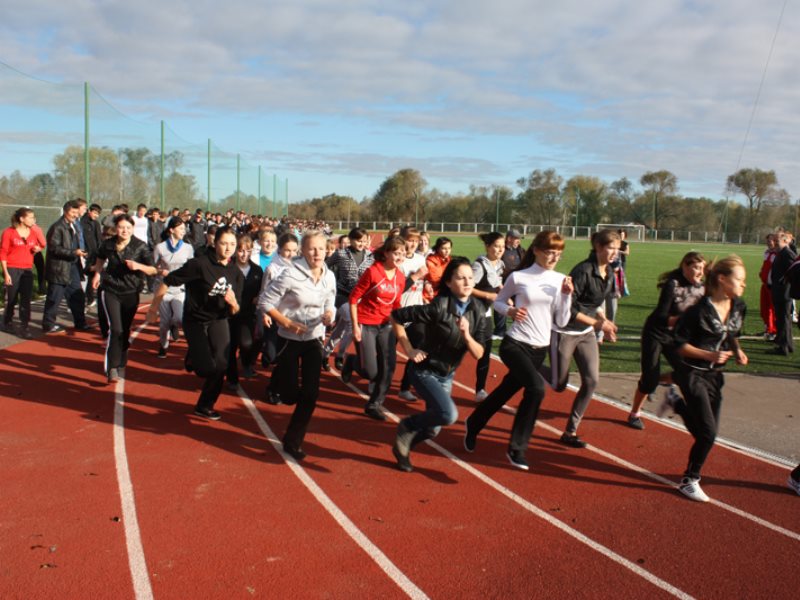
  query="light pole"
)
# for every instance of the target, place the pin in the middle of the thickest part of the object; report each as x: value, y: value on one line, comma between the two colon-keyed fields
x: 496, y: 209
x: 416, y: 208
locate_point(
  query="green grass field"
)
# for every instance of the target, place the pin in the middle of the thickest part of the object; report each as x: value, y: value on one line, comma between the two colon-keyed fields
x: 645, y: 263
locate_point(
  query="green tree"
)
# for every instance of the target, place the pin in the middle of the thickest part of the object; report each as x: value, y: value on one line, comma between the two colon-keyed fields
x: 759, y: 188
x: 541, y: 200
x: 586, y: 197
x: 104, y: 173
x: 400, y: 197
x: 660, y: 185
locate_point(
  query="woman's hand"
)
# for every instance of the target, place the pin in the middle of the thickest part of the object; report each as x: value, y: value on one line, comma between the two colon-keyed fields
x: 133, y: 265
x: 417, y: 356
x: 96, y: 281
x: 267, y: 320
x: 567, y: 287
x: 327, y: 318
x: 295, y: 327
x: 152, y: 315
x: 357, y: 332
x: 7, y: 279
x: 720, y: 357
x: 517, y: 314
x: 741, y: 357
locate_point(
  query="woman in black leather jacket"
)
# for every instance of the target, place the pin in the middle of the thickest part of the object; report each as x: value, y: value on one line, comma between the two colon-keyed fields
x: 454, y: 324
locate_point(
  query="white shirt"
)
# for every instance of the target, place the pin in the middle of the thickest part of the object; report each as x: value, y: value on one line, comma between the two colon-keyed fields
x: 140, y: 227
x: 537, y: 290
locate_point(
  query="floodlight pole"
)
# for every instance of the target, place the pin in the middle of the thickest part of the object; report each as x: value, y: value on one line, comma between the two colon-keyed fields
x: 87, y: 169
x: 162, y: 166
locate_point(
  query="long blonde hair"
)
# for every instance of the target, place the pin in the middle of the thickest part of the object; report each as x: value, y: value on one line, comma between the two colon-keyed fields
x: 716, y: 268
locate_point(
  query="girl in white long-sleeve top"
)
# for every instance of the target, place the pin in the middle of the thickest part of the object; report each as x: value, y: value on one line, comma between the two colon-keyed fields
x: 542, y: 298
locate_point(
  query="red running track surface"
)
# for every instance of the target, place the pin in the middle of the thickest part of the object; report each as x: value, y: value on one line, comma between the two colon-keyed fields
x: 221, y: 513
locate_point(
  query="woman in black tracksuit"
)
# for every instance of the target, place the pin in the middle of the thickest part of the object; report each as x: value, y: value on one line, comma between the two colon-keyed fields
x: 119, y: 271
x: 213, y: 292
x: 707, y: 336
x: 243, y: 323
x: 454, y: 325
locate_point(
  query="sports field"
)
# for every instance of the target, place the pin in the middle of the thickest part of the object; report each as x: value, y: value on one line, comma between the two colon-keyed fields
x: 645, y: 263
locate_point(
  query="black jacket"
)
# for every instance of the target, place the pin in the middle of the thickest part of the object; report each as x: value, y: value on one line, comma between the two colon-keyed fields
x: 783, y: 260
x: 591, y: 290
x: 62, y: 241
x: 92, y: 235
x: 117, y: 277
x: 701, y: 327
x: 250, y: 290
x: 196, y: 233
x: 207, y: 281
x: 442, y: 340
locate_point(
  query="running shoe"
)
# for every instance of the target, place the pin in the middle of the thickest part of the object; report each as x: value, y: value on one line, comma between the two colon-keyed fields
x: 208, y: 413
x: 635, y: 422
x: 470, y: 437
x: 668, y: 402
x: 572, y: 440
x: 794, y: 484
x: 690, y: 487
x: 374, y: 412
x: 113, y: 375
x: 517, y: 458
x: 295, y: 452
x: 25, y: 333
x: 407, y: 395
x: 52, y: 330
x: 481, y: 395
x: 162, y: 352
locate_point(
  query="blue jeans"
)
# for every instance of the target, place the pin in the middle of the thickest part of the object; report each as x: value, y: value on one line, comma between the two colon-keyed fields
x: 439, y: 406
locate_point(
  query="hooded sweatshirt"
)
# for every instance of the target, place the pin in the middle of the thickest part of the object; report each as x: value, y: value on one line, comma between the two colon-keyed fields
x: 207, y: 281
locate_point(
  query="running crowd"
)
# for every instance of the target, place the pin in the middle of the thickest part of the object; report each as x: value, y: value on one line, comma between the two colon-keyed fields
x: 238, y: 287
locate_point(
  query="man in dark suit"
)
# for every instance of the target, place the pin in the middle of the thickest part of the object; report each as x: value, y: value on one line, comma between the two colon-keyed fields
x: 780, y: 295
x: 92, y: 236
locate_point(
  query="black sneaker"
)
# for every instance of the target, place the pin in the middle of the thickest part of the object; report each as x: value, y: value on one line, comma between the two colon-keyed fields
x: 338, y: 362
x: 572, y: 441
x: 84, y: 327
x: 113, y: 375
x: 470, y: 437
x: 162, y: 352
x: 25, y: 333
x: 517, y: 458
x: 175, y: 332
x: 326, y: 366
x: 187, y: 364
x: 374, y: 412
x: 635, y: 422
x: 7, y: 328
x: 295, y: 452
x: 273, y: 398
x: 208, y: 413
x: 347, y: 369
x: 403, y: 462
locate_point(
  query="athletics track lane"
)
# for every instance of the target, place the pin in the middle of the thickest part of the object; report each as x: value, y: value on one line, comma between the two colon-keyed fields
x: 206, y: 517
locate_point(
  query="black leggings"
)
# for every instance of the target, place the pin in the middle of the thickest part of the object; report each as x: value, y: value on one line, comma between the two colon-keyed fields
x: 242, y: 339
x: 482, y: 368
x: 21, y: 287
x: 119, y: 311
x: 702, y: 391
x: 209, y: 344
x: 652, y: 349
x: 523, y: 362
x: 298, y: 356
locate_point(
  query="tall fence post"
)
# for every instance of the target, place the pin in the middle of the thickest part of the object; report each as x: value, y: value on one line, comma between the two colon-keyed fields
x: 208, y: 198
x: 87, y: 172
x: 161, y: 183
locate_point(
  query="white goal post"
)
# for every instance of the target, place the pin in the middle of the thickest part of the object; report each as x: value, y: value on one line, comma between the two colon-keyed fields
x: 635, y: 231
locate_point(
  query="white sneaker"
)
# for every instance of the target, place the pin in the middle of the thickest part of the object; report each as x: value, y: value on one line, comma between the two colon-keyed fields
x: 407, y: 395
x: 668, y: 402
x: 690, y: 487
x: 481, y: 396
x: 794, y: 484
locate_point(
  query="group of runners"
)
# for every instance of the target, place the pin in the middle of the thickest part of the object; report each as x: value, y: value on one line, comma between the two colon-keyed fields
x: 296, y: 300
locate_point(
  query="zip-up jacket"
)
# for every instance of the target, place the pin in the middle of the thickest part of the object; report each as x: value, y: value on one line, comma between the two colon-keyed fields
x: 299, y: 298
x: 591, y: 291
x: 62, y: 241
x: 442, y: 340
x: 207, y: 280
x: 117, y: 277
x: 701, y: 327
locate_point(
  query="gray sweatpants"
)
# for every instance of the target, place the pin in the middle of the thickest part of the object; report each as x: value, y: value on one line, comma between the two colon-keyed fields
x: 583, y: 347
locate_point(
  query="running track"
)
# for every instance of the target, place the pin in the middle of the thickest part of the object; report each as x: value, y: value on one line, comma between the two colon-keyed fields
x: 165, y: 505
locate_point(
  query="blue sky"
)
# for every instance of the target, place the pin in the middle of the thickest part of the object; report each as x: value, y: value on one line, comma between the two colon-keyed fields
x: 337, y: 96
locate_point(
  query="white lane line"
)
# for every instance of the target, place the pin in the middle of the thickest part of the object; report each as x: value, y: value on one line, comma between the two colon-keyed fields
x: 642, y: 471
x: 133, y: 538
x: 762, y: 455
x: 545, y: 516
x: 375, y: 553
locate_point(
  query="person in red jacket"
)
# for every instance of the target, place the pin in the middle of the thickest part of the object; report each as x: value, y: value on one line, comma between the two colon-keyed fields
x: 767, y: 308
x: 372, y: 300
x: 19, y: 244
x: 436, y: 263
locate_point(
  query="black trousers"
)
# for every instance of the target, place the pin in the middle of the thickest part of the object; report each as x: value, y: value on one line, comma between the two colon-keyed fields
x: 119, y: 311
x: 209, y: 346
x: 305, y: 358
x: 523, y: 362
x: 783, y: 317
x: 21, y: 289
x: 702, y: 393
x: 38, y: 262
x: 243, y: 340
x: 652, y: 349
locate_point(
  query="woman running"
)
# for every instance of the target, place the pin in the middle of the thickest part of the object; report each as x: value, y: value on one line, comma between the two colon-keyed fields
x: 488, y: 272
x: 18, y: 246
x: 301, y: 302
x: 707, y: 336
x: 542, y: 300
x: 287, y: 250
x: 454, y: 325
x: 680, y: 289
x: 169, y: 255
x: 213, y: 292
x: 592, y: 280
x: 372, y: 300
x: 243, y: 323
x: 122, y: 263
x: 436, y: 262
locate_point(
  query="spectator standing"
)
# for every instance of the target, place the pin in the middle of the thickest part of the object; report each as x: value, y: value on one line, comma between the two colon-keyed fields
x: 765, y: 298
x: 18, y: 245
x: 781, y: 300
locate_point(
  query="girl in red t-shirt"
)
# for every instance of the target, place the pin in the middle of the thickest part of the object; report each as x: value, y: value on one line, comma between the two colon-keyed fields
x: 18, y: 245
x: 372, y: 300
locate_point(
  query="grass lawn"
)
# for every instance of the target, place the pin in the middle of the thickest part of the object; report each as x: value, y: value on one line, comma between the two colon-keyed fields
x: 645, y: 263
